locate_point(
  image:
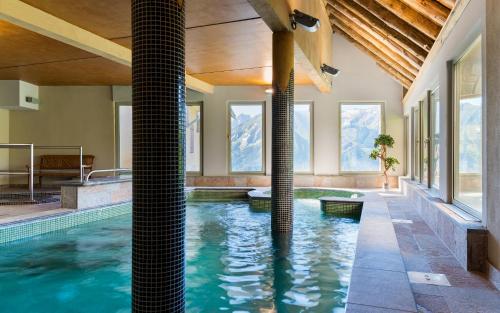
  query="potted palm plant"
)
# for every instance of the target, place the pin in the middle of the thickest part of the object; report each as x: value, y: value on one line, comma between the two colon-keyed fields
x: 382, y: 143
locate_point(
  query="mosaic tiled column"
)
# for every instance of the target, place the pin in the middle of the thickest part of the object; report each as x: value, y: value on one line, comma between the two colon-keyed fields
x: 282, y: 134
x: 158, y: 83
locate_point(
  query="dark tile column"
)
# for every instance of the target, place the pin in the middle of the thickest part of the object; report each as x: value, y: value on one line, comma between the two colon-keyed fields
x: 282, y: 134
x: 158, y: 84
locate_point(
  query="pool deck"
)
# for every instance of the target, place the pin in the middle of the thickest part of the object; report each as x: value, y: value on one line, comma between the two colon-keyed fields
x: 423, y: 251
x: 22, y: 212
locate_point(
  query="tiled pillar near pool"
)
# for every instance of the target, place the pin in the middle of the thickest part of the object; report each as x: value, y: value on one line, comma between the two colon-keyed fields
x: 158, y: 84
x: 282, y: 133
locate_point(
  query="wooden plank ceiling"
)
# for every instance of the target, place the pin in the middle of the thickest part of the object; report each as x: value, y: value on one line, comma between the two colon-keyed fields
x: 227, y: 43
x: 397, y: 34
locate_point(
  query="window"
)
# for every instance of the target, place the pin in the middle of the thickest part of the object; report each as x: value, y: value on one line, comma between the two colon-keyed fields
x: 467, y: 188
x: 302, y: 140
x: 435, y: 139
x: 124, y: 135
x: 416, y: 136
x: 360, y: 124
x: 424, y: 139
x: 246, y: 137
x: 193, y: 138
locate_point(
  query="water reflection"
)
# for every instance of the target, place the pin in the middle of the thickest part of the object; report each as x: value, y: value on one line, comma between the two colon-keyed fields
x: 282, y: 280
x: 233, y: 264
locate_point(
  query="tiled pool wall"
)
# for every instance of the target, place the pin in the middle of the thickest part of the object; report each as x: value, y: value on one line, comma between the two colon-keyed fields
x: 339, y: 207
x: 34, y: 227
x: 217, y: 194
x: 260, y: 204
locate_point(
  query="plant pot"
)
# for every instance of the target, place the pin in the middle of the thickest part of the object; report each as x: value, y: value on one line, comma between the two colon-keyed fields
x: 386, y: 186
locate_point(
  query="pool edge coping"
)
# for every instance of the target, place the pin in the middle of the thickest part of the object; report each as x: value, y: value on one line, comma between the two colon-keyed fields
x: 379, y: 279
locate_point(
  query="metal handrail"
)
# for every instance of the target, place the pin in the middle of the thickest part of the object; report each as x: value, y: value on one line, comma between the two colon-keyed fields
x: 29, y: 146
x: 113, y: 170
x: 31, y: 169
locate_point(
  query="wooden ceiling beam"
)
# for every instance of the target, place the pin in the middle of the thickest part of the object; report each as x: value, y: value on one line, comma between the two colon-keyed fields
x: 384, y: 65
x: 312, y: 50
x: 408, y: 14
x: 381, y: 28
x: 394, y: 74
x: 395, y: 22
x: 450, y: 4
x: 369, y: 32
x: 374, y: 50
x: 431, y: 9
x: 23, y: 15
x: 338, y: 17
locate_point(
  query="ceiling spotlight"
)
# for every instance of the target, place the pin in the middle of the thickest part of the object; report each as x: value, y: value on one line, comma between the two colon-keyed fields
x: 330, y: 70
x: 309, y: 23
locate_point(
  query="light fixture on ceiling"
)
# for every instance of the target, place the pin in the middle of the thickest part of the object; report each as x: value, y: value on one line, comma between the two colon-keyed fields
x: 269, y: 91
x: 307, y: 22
x: 330, y: 70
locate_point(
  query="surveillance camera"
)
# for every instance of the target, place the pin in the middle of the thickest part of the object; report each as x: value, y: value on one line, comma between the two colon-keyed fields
x: 330, y: 70
x: 309, y: 23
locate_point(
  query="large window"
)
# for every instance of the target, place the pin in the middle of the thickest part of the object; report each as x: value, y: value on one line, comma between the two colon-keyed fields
x: 124, y: 135
x: 467, y: 188
x: 424, y: 138
x: 246, y: 137
x: 435, y: 139
x: 302, y: 140
x: 416, y: 140
x: 360, y: 124
x: 193, y: 138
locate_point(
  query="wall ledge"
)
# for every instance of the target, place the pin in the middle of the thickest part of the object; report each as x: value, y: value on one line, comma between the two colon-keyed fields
x: 462, y: 234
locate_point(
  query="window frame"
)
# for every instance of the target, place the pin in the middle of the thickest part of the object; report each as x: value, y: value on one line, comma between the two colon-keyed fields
x: 454, y: 135
x: 311, y: 135
x: 432, y: 128
x: 382, y: 105
x: 117, y: 130
x: 425, y: 139
x: 117, y: 133
x: 230, y: 103
x: 417, y: 140
x: 202, y: 118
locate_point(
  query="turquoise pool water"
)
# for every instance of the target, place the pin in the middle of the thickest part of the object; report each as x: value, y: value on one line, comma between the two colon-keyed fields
x: 232, y: 264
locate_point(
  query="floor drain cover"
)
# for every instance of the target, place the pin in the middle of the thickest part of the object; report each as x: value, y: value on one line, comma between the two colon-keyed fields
x: 399, y: 221
x: 428, y: 278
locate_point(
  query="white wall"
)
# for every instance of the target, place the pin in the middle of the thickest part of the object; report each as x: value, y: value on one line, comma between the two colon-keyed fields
x: 67, y: 116
x: 360, y: 80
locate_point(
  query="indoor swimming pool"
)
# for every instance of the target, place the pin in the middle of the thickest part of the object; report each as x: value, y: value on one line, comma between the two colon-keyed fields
x: 233, y: 265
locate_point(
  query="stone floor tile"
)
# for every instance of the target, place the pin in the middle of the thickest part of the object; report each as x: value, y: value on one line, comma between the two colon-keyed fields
x: 415, y: 262
x: 457, y: 275
x: 357, y: 308
x: 431, y: 245
x: 471, y: 300
x: 396, y: 295
x: 432, y: 304
x: 423, y: 289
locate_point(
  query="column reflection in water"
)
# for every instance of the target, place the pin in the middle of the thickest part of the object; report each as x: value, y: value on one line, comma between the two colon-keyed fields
x: 282, y: 267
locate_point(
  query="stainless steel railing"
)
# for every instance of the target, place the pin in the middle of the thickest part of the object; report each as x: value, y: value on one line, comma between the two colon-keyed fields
x: 30, y: 171
x: 111, y: 170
